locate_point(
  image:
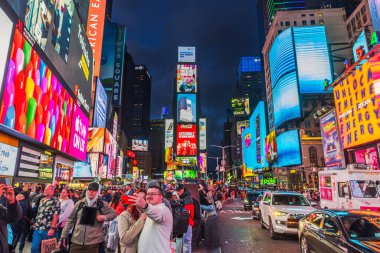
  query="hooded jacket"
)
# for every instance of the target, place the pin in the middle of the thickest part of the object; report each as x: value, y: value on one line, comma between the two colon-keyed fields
x: 8, y: 214
x: 188, y: 205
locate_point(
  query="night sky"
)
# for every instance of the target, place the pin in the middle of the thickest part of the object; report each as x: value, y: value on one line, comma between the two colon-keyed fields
x: 222, y: 32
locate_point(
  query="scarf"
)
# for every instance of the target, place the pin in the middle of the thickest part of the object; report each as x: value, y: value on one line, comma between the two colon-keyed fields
x: 90, y: 202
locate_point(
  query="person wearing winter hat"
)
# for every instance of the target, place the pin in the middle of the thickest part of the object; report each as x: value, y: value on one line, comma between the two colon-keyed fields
x: 87, y: 219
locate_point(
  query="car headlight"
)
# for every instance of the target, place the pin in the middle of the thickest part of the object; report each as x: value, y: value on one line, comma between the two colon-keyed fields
x: 246, y: 201
x: 279, y: 214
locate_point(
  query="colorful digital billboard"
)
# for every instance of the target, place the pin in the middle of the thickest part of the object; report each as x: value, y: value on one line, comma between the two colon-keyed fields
x: 186, y: 140
x: 100, y: 108
x: 186, y: 78
x: 330, y: 140
x: 202, y: 134
x: 240, y: 106
x: 108, y: 57
x: 186, y: 174
x: 312, y: 57
x: 374, y: 7
x: 203, y: 162
x: 367, y: 156
x: 286, y: 104
x: 360, y: 47
x: 139, y: 145
x: 110, y: 149
x: 271, y: 153
x: 241, y: 126
x: 186, y: 54
x: 34, y: 101
x: 5, y: 38
x: 95, y: 140
x: 357, y: 100
x: 289, y: 149
x: 186, y: 160
x: 248, y: 150
x: 186, y: 108
x: 82, y: 170
x: 169, y: 133
x: 79, y: 134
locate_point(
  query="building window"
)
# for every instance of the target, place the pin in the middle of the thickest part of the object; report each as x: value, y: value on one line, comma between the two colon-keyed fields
x: 304, y: 22
x: 287, y: 23
x: 321, y: 22
x: 282, y: 23
x: 316, y: 123
x: 295, y: 22
x: 320, y: 14
x: 303, y: 15
x: 313, y: 156
x: 362, y: 10
x: 311, y: 14
x: 307, y: 123
x: 312, y: 22
x: 364, y: 18
x: 305, y: 104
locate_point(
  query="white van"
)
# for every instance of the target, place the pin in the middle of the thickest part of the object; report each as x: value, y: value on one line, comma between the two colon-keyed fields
x: 348, y: 189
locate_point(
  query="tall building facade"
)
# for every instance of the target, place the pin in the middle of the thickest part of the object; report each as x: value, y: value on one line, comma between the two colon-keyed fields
x: 157, y: 145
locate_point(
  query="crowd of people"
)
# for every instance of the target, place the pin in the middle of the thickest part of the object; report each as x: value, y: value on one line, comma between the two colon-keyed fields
x: 158, y: 217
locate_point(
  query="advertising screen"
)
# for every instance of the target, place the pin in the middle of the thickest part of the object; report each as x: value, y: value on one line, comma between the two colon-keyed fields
x: 189, y: 174
x: 374, y: 7
x: 187, y: 160
x: 289, y: 151
x: 358, y: 115
x: 186, y: 54
x: 108, y: 56
x: 34, y: 101
x: 367, y: 156
x: 330, y: 140
x: 100, y: 109
x: 241, y: 126
x: 258, y: 130
x: 95, y: 140
x: 110, y: 149
x: 186, y: 108
x: 248, y: 150
x: 82, y: 170
x: 240, y: 106
x: 5, y: 38
x: 186, y: 140
x: 247, y: 138
x: 286, y: 103
x: 169, y: 133
x: 271, y: 147
x: 202, y: 134
x: 139, y: 145
x: 360, y: 47
x: 8, y: 156
x: 93, y: 160
x: 94, y: 29
x: 45, y: 170
x: 203, y: 162
x: 79, y: 134
x: 313, y: 59
x: 186, y: 78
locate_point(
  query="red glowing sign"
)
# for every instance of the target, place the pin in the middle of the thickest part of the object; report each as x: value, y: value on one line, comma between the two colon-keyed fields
x: 186, y: 139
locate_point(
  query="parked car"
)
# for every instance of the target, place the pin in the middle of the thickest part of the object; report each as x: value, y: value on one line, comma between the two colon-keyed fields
x: 256, y: 208
x: 281, y: 211
x: 250, y: 197
x: 355, y: 231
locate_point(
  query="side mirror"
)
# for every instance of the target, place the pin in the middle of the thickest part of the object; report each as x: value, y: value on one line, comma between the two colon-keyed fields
x: 313, y: 204
x: 331, y: 232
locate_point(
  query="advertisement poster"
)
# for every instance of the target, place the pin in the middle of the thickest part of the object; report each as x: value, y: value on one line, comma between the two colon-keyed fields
x: 5, y: 38
x: 8, y: 156
x: 240, y: 106
x: 358, y: 120
x: 186, y: 78
x: 45, y: 170
x: 241, y: 126
x: 289, y: 150
x: 93, y: 160
x: 34, y: 101
x: 102, y: 166
x: 169, y: 133
x: 360, y: 47
x: 186, y: 54
x: 367, y: 156
x: 95, y: 140
x: 271, y: 147
x: 82, y: 170
x: 139, y: 145
x: 202, y: 134
x: 203, y: 162
x: 187, y: 108
x: 187, y: 160
x: 100, y: 109
x: 189, y: 174
x: 186, y: 140
x: 110, y: 148
x: 247, y: 140
x: 62, y: 20
x: 330, y: 140
x: 79, y: 134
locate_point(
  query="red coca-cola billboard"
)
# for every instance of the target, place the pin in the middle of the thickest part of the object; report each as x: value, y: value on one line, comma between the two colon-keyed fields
x: 186, y: 139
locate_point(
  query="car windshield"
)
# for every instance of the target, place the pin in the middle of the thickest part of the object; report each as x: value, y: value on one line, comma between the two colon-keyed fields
x: 362, y: 227
x: 251, y: 196
x: 289, y: 200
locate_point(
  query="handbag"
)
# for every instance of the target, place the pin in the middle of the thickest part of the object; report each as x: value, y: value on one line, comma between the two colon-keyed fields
x: 48, y: 245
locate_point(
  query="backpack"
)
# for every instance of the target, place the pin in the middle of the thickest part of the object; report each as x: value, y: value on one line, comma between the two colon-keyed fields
x: 180, y: 220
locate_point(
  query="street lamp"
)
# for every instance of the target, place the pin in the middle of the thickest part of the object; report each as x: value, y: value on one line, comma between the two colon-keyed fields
x: 223, y: 155
x: 217, y: 164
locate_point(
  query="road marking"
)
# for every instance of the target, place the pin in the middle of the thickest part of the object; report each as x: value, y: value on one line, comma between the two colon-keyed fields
x: 241, y: 218
x: 234, y: 211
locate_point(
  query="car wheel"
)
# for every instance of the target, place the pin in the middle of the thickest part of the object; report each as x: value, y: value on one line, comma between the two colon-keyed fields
x: 304, y: 245
x: 273, y: 235
x: 262, y: 223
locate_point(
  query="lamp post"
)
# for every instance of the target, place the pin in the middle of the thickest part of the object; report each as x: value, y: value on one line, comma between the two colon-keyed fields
x: 217, y: 164
x: 223, y: 155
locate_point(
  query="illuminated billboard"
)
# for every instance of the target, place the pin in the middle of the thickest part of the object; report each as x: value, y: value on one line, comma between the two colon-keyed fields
x: 271, y: 147
x: 240, y: 106
x: 108, y: 57
x: 186, y: 54
x: 5, y: 38
x: 360, y: 47
x: 110, y: 149
x: 95, y: 140
x: 186, y: 140
x: 202, y: 134
x: 374, y: 7
x: 357, y: 100
x: 186, y: 108
x: 330, y: 140
x: 186, y: 160
x: 312, y: 57
x: 139, y: 145
x: 169, y: 133
x: 35, y: 104
x: 248, y: 150
x: 241, y: 126
x: 186, y: 174
x: 289, y: 149
x: 286, y: 104
x: 100, y: 108
x: 186, y: 78
x: 78, y: 134
x: 203, y: 162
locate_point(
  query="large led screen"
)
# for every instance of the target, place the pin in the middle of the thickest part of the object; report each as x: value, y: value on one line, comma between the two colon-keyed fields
x: 286, y: 103
x: 374, y: 7
x: 289, y: 150
x: 34, y: 101
x: 202, y: 134
x: 203, y: 162
x: 78, y: 134
x: 139, y: 145
x: 240, y: 106
x: 100, y: 110
x: 5, y: 39
x: 186, y: 54
x: 360, y: 47
x: 186, y: 78
x: 82, y: 170
x: 169, y: 133
x: 357, y: 100
x: 258, y: 131
x: 248, y: 149
x: 108, y: 56
x: 186, y: 140
x: 186, y: 108
x: 95, y: 140
x: 271, y: 152
x: 241, y: 126
x: 367, y: 156
x: 313, y: 59
x: 330, y: 140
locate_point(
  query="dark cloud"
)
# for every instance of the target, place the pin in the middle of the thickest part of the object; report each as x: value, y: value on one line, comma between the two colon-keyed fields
x: 222, y: 32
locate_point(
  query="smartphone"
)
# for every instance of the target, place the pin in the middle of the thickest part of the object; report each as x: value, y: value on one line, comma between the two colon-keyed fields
x: 3, y: 181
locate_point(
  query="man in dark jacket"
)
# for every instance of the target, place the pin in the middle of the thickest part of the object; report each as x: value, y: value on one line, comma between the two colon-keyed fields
x: 10, y: 211
x: 187, y: 200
